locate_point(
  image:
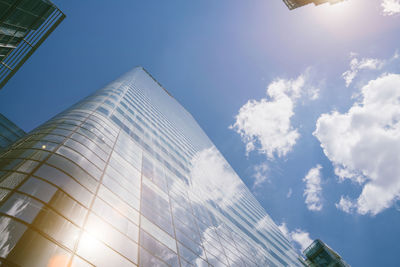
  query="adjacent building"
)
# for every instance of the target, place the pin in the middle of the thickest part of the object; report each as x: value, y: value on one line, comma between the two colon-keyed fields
x: 292, y: 4
x: 9, y: 132
x: 126, y: 177
x: 24, y: 25
x: 321, y: 255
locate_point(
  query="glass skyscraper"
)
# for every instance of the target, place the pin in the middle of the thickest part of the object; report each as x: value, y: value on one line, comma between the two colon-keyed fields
x: 320, y: 255
x: 24, y: 25
x: 126, y: 177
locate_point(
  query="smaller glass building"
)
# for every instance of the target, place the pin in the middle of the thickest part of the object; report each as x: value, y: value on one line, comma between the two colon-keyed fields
x: 292, y: 4
x: 320, y: 255
x: 24, y: 25
x: 9, y: 132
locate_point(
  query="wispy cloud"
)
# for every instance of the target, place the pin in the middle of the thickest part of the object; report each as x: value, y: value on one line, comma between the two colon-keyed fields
x: 313, y: 190
x: 289, y: 193
x: 391, y: 7
x: 313, y: 93
x: 364, y: 143
x: 260, y: 175
x: 299, y: 238
x: 358, y: 64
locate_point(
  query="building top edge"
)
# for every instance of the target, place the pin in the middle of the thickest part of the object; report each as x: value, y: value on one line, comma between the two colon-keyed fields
x: 159, y: 84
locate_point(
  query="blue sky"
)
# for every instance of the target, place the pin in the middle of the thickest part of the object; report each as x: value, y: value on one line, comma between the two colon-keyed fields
x: 215, y: 57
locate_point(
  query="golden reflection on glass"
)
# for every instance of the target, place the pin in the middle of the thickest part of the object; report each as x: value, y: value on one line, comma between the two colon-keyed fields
x: 58, y: 261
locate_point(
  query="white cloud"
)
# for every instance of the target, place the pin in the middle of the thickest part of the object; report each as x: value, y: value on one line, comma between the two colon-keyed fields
x: 360, y: 64
x: 299, y: 238
x: 302, y: 238
x: 260, y: 174
x: 313, y: 190
x: 289, y: 193
x: 346, y: 204
x: 266, y: 124
x: 213, y: 176
x: 285, y: 231
x: 364, y: 143
x: 264, y: 223
x: 391, y: 7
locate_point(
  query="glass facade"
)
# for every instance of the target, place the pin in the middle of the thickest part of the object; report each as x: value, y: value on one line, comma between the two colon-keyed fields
x: 126, y: 177
x: 292, y: 4
x: 9, y: 132
x: 24, y: 25
x: 320, y: 255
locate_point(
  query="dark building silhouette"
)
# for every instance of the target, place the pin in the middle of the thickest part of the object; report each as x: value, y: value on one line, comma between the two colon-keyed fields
x: 9, y: 132
x: 292, y: 4
x: 24, y: 25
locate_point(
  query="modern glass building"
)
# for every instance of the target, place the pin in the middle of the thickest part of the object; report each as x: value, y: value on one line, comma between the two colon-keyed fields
x: 292, y: 4
x: 24, y: 25
x: 9, y: 132
x: 126, y: 177
x: 320, y: 255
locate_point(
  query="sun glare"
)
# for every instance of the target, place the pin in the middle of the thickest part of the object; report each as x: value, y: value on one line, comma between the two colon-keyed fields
x: 342, y: 19
x: 59, y: 260
x: 335, y: 12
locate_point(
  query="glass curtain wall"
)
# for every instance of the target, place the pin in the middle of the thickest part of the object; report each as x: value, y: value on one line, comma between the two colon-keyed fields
x: 126, y: 177
x: 9, y: 132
